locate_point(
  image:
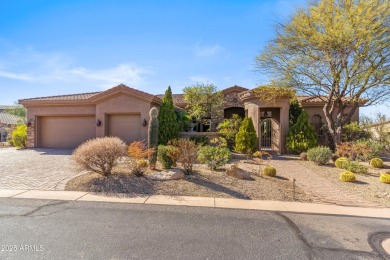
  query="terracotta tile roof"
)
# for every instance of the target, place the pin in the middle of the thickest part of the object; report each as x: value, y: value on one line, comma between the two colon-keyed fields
x: 177, y: 98
x: 9, y: 119
x: 125, y: 88
x: 234, y: 88
x: 318, y: 99
x: 81, y: 96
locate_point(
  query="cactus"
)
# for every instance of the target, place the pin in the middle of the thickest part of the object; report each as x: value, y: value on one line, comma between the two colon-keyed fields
x: 347, y: 177
x: 153, y: 136
x: 269, y: 171
x: 376, y: 163
x: 341, y: 162
x: 385, y: 178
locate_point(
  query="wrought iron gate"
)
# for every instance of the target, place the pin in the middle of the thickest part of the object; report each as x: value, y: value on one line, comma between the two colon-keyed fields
x: 266, y: 133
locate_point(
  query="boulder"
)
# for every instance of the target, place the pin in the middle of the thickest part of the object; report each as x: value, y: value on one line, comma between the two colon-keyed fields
x: 238, y: 173
x: 166, y: 175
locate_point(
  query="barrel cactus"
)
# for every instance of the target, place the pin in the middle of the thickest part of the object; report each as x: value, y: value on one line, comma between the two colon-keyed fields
x: 385, y: 178
x: 153, y: 136
x: 269, y: 171
x: 341, y: 162
x: 376, y: 163
x: 347, y: 177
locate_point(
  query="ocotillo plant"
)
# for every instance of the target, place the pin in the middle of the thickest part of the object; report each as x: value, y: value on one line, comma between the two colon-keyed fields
x: 153, y: 136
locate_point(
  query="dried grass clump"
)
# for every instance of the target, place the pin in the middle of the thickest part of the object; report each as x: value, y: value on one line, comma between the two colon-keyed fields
x: 100, y: 154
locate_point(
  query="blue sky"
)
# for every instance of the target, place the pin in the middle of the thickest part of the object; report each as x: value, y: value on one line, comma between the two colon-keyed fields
x: 53, y: 47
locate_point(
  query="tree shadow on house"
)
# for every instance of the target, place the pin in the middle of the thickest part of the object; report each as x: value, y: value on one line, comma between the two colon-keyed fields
x: 198, y: 180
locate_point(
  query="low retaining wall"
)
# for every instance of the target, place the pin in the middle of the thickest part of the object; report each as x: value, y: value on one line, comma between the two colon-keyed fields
x: 188, y: 135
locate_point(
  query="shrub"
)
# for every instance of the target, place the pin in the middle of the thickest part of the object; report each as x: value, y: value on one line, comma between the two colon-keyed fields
x: 319, y: 155
x: 168, y: 127
x: 214, y: 156
x: 19, y: 136
x: 218, y: 141
x: 229, y: 128
x: 355, y: 167
x: 295, y: 111
x: 100, y: 154
x: 302, y: 135
x: 376, y: 163
x: 173, y: 153
x: 200, y: 140
x: 361, y: 150
x: 347, y: 177
x: 246, y: 138
x: 354, y: 132
x: 303, y: 156
x: 188, y: 153
x: 341, y: 162
x: 162, y: 156
x: 385, y: 178
x: 269, y: 171
x: 138, y: 153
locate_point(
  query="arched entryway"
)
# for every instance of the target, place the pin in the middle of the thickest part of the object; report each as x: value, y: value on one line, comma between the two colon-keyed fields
x: 230, y: 111
x: 269, y: 137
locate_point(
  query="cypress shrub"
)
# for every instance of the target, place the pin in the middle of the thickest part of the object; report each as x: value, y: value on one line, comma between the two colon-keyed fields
x: 168, y: 125
x: 301, y: 136
x: 246, y: 138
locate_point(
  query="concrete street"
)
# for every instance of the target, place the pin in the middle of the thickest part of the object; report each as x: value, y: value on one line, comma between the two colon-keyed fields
x: 49, y: 229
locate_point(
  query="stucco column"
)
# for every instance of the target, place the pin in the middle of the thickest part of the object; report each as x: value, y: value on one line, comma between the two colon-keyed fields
x: 284, y: 124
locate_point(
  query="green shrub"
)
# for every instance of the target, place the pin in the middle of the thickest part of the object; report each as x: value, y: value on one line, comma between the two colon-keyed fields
x: 355, y: 167
x: 162, y: 156
x: 19, y: 136
x: 302, y: 135
x: 376, y: 163
x: 347, y: 177
x: 229, y: 128
x: 200, y: 140
x: 100, y: 154
x: 214, y: 156
x: 354, y: 132
x: 341, y: 162
x: 269, y: 171
x: 168, y: 127
x: 319, y: 155
x: 246, y: 138
x: 385, y: 178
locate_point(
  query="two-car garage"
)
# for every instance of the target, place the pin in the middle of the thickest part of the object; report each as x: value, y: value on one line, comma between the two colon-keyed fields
x: 71, y: 131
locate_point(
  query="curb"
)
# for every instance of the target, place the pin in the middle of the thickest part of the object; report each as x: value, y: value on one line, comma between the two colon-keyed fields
x: 210, y: 202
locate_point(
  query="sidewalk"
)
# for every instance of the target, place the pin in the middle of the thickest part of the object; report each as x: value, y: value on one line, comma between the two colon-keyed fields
x: 279, y: 206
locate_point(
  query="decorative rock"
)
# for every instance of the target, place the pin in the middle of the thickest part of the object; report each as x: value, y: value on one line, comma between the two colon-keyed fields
x: 166, y: 175
x: 238, y: 173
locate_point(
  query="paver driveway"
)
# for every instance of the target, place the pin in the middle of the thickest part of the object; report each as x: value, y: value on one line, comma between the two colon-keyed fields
x: 44, y: 169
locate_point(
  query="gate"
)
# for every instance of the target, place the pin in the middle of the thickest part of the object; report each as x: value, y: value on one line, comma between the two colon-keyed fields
x: 270, y: 135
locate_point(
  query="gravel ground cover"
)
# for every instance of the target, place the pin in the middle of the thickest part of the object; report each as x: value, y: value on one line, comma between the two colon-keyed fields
x: 203, y: 182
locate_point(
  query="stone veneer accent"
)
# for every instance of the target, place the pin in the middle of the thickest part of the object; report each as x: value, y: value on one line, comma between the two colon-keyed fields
x: 31, y: 135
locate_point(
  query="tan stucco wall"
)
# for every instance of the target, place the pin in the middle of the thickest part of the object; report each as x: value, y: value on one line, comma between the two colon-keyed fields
x: 122, y: 104
x: 318, y: 110
x: 253, y: 107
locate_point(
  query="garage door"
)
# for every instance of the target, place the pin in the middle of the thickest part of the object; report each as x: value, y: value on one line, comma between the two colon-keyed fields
x: 65, y: 131
x: 126, y: 127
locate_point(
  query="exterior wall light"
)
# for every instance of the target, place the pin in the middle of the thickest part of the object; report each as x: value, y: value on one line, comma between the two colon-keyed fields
x: 98, y: 122
x: 29, y: 122
x: 145, y: 123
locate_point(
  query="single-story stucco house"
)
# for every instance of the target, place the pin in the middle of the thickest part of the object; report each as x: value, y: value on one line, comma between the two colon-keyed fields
x: 68, y: 120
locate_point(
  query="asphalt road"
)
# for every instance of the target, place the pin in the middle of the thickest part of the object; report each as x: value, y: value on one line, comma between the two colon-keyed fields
x: 41, y: 229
